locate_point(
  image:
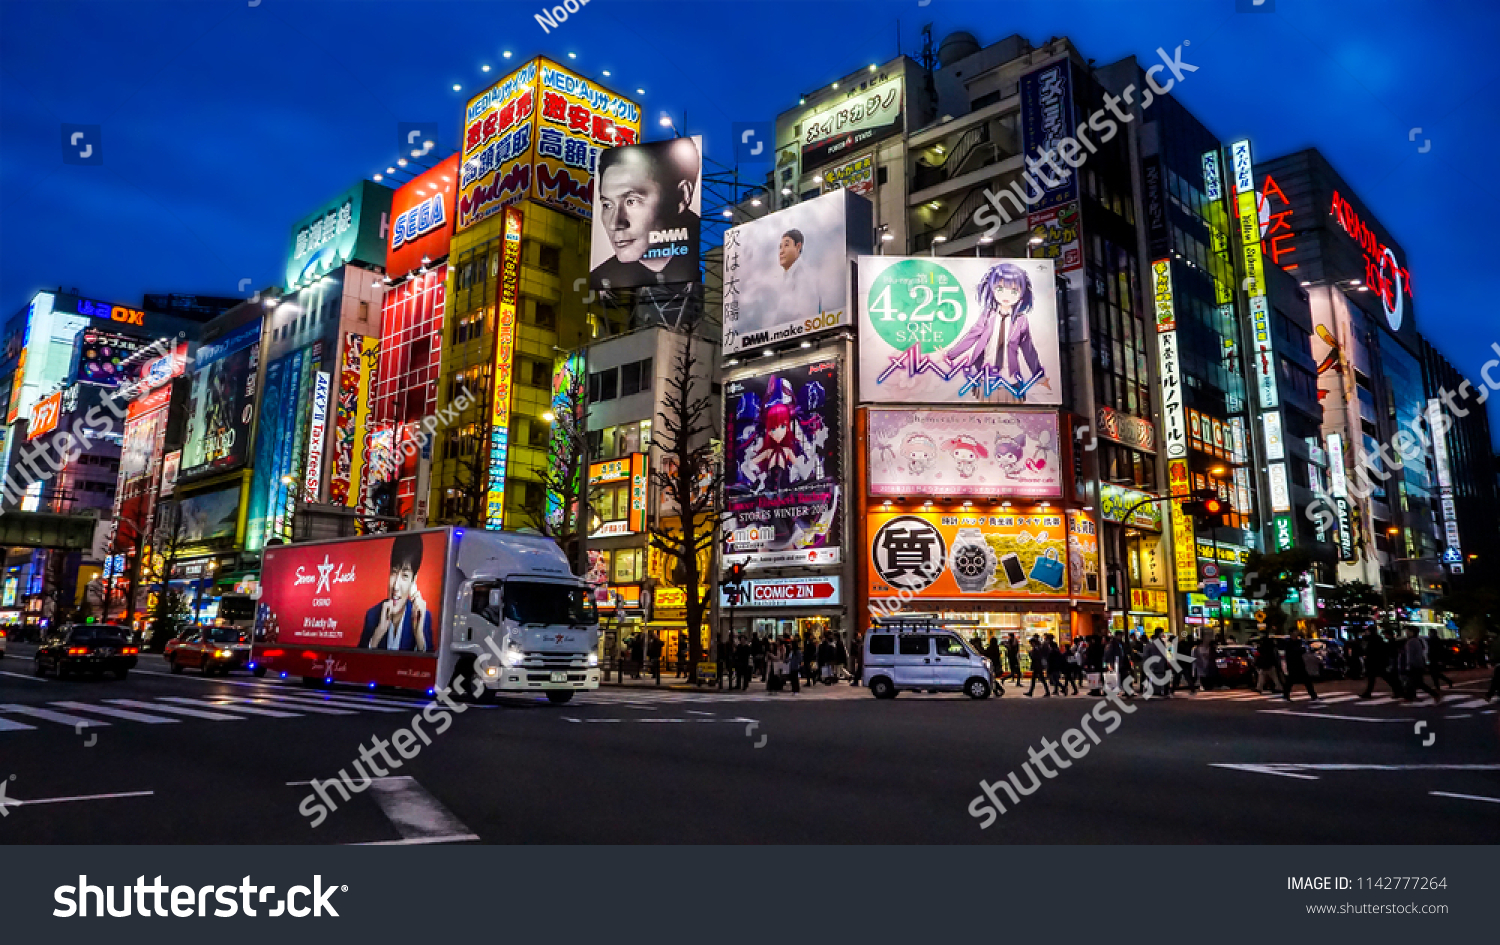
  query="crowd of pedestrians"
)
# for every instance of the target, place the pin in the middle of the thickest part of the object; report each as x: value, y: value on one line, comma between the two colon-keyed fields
x: 779, y: 662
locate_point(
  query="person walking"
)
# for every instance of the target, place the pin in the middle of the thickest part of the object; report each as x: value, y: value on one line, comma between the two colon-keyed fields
x: 1296, y: 670
x: 1056, y: 665
x: 726, y: 659
x: 743, y: 664
x: 1093, y: 664
x: 1013, y: 659
x: 1038, y: 656
x: 1494, y: 657
x: 1437, y: 656
x: 810, y: 659
x: 992, y: 653
x: 794, y: 665
x: 654, y: 650
x: 1203, y: 661
x: 828, y: 660
x: 1377, y: 659
x: 1266, y: 665
x: 1413, y: 664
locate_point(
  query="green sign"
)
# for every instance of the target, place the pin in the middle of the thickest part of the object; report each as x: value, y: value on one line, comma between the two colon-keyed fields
x: 918, y: 301
x: 349, y: 228
x: 1285, y: 533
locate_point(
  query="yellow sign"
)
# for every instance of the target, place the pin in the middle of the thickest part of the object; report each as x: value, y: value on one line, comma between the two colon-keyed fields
x: 1255, y: 284
x: 1184, y: 551
x: 505, y: 345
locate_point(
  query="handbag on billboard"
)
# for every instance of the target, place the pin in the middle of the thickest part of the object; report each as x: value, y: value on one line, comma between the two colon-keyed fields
x: 1048, y: 570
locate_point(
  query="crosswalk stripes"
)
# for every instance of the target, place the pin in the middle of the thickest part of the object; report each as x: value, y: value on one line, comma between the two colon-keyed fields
x: 17, y: 717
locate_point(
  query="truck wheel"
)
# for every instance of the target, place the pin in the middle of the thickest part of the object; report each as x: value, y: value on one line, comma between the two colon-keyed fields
x: 463, y: 684
x: 260, y: 672
x: 882, y: 688
x: 977, y: 688
x: 559, y: 696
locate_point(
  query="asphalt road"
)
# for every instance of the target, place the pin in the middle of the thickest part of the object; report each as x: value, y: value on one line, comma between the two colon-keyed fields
x: 185, y: 759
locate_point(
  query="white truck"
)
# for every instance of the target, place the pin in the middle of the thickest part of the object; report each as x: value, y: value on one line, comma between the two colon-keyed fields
x: 480, y: 612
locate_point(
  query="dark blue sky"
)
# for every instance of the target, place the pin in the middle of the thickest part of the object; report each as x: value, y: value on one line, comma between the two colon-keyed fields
x: 223, y: 122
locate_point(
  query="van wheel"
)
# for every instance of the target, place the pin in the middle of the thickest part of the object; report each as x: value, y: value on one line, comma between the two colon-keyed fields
x: 977, y: 688
x: 882, y: 688
x: 559, y: 696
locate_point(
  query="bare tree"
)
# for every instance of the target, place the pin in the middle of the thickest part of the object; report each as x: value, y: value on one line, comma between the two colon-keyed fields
x: 170, y: 539
x: 688, y: 478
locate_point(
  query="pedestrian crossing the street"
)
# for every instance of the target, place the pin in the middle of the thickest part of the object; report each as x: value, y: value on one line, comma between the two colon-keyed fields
x: 167, y: 710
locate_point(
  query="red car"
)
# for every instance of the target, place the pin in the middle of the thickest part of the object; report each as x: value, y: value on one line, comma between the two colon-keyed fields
x: 210, y: 649
x: 1236, y: 665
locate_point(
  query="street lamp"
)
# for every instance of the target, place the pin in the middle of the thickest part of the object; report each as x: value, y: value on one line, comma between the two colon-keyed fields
x: 936, y: 240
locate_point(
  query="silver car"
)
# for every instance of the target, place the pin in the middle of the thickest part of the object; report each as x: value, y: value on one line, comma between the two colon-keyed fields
x: 932, y: 660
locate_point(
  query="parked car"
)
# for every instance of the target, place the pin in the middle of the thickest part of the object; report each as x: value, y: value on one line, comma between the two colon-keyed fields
x: 210, y: 649
x: 1236, y: 665
x: 86, y: 647
x: 935, y: 661
x: 2, y: 642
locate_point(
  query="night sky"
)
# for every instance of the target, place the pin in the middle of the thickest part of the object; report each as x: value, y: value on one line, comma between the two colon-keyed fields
x: 223, y: 122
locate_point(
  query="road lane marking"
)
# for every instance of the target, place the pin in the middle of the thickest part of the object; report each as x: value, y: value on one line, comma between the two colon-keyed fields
x: 299, y: 706
x: 225, y: 702
x: 72, y: 721
x: 27, y: 676
x: 1290, y: 770
x: 180, y: 710
x: 1326, y: 715
x: 17, y: 802
x: 9, y: 725
x: 1467, y: 797
x: 114, y: 713
x: 417, y: 815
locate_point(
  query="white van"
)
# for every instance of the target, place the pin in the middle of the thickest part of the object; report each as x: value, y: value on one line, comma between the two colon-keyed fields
x: 923, y: 658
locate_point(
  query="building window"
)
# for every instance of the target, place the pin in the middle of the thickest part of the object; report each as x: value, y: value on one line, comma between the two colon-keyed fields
x: 628, y: 565
x: 548, y: 258
x: 604, y: 385
x: 541, y: 375
x: 635, y: 377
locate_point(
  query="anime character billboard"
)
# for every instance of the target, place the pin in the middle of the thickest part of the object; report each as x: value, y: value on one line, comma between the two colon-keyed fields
x: 784, y: 464
x: 958, y: 330
x: 965, y: 453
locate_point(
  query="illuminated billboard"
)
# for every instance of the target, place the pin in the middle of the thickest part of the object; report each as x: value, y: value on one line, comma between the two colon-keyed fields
x: 958, y: 330
x: 98, y: 356
x: 784, y: 466
x: 618, y: 513
x: 503, y: 367
x: 786, y: 275
x: 538, y: 133
x: 350, y: 227
x: 422, y: 215
x: 222, y: 408
x: 852, y: 123
x: 648, y: 207
x: 970, y: 555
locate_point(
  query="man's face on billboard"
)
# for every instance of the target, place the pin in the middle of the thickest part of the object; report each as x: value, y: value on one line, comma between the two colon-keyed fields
x: 787, y: 252
x: 630, y: 200
x: 403, y: 581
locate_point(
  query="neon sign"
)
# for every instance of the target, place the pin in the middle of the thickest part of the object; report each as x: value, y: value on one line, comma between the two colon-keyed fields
x: 1383, y: 271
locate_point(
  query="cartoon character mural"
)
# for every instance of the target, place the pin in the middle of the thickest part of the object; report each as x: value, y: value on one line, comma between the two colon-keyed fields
x: 966, y: 452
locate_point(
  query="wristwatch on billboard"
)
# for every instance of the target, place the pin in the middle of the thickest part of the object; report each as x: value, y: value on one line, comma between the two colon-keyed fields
x: 972, y: 561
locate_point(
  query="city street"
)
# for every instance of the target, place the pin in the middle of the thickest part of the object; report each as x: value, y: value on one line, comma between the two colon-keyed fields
x: 151, y: 760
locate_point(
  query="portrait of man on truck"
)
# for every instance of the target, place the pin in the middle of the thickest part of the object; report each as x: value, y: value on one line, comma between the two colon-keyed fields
x: 401, y: 621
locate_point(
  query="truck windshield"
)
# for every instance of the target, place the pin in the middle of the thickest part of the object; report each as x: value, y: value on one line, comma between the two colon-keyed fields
x: 536, y: 602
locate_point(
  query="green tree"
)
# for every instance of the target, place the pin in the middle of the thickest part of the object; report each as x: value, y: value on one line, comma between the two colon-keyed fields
x: 1351, y: 605
x: 1271, y: 579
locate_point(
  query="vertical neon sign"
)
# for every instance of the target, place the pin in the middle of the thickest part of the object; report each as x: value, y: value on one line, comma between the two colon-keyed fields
x: 505, y: 345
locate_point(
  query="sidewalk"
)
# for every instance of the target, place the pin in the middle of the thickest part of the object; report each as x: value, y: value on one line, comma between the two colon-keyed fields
x: 674, y: 683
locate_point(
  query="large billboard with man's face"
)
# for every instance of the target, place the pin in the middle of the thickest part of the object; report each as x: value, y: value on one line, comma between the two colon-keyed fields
x: 223, y: 403
x: 648, y: 205
x: 958, y: 330
x: 786, y: 275
x: 785, y: 456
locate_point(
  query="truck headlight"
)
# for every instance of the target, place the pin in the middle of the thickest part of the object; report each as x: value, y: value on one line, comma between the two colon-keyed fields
x: 512, y: 657
x: 593, y: 657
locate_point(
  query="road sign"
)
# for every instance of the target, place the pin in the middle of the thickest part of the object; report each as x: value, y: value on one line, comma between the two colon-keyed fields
x: 1211, y: 570
x: 1260, y: 616
x: 1213, y: 591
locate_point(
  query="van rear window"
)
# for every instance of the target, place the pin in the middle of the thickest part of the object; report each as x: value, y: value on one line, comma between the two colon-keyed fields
x: 883, y: 645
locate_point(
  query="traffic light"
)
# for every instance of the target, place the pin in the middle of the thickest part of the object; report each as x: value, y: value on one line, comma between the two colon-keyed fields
x: 1208, y: 508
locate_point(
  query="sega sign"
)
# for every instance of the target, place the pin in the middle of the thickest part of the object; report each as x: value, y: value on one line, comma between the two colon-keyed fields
x: 422, y: 214
x: 419, y: 220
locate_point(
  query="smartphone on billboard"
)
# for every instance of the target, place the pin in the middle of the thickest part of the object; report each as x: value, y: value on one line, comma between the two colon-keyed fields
x: 1014, y: 573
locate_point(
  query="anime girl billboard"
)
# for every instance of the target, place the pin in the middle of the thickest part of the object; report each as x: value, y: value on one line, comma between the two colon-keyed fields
x: 781, y: 488
x: 959, y: 330
x: 994, y: 453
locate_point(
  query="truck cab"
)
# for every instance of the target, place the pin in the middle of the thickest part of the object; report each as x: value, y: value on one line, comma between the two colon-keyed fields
x: 522, y: 621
